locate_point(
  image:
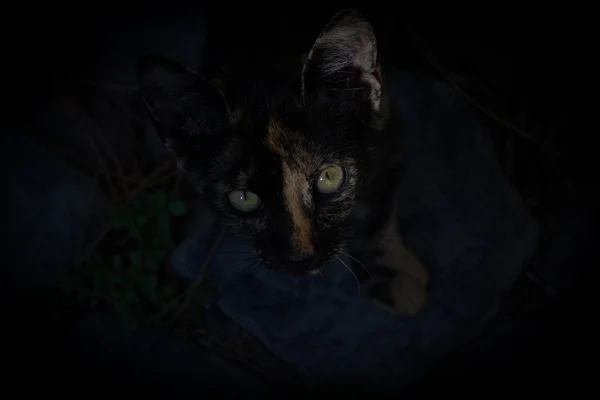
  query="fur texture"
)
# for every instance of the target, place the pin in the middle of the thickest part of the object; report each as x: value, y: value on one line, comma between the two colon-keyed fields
x: 273, y: 133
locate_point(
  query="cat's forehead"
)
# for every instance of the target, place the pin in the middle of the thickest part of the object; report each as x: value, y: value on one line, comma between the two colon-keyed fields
x: 270, y: 142
x: 272, y: 132
x: 290, y: 143
x: 285, y: 122
x: 290, y: 134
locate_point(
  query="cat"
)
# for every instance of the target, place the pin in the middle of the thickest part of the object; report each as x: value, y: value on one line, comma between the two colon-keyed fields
x: 301, y: 163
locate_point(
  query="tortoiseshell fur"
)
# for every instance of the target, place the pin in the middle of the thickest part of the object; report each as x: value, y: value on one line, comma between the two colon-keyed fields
x: 273, y: 132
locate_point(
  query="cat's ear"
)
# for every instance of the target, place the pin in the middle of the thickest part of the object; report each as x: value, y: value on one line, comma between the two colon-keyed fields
x: 189, y: 111
x: 343, y: 62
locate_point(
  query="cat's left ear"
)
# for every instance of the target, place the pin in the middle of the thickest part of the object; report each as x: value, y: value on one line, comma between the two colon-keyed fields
x: 343, y: 62
x: 190, y: 113
x: 191, y: 116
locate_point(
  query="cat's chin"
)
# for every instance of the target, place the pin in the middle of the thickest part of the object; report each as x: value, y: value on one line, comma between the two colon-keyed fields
x: 314, y: 272
x: 301, y: 274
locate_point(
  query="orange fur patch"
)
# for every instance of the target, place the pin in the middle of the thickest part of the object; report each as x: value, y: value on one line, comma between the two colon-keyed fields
x: 292, y: 184
x: 295, y: 186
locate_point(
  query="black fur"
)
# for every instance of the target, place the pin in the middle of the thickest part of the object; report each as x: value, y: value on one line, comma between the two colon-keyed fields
x: 220, y: 138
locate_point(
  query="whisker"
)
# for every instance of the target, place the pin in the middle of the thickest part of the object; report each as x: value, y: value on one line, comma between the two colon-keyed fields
x: 237, y: 252
x: 239, y: 261
x: 241, y: 273
x: 359, y: 263
x: 248, y: 270
x: 257, y: 268
x: 353, y: 274
x: 234, y: 264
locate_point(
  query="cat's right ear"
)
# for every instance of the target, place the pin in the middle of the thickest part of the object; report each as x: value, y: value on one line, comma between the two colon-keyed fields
x: 190, y: 113
x: 342, y: 62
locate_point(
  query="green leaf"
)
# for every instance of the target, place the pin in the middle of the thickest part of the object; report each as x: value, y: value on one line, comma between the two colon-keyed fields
x: 135, y: 257
x: 112, y: 275
x: 132, y: 297
x: 146, y: 202
x: 151, y: 263
x: 177, y: 208
x: 163, y: 225
x: 97, y: 285
x: 168, y: 291
x: 174, y: 193
x: 121, y: 217
x: 131, y: 275
x: 156, y: 242
x: 155, y: 250
x: 96, y: 258
x: 134, y: 232
x: 148, y: 289
x: 142, y: 220
x: 160, y: 199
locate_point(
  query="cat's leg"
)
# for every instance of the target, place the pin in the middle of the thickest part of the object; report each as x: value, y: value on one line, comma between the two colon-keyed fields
x: 404, y: 288
x: 399, y: 285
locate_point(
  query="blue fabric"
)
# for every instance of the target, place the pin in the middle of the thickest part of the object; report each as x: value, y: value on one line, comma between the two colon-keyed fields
x: 456, y: 210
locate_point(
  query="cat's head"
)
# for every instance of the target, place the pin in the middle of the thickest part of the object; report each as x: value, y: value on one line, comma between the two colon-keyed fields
x: 283, y: 171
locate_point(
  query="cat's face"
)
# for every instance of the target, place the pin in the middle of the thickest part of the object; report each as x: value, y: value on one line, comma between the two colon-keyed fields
x: 289, y: 181
x: 284, y: 172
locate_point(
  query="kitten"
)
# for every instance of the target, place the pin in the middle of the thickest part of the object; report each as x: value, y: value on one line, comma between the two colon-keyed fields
x: 299, y: 164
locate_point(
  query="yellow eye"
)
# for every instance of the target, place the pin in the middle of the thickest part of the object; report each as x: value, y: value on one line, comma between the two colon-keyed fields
x: 330, y: 180
x: 244, y: 200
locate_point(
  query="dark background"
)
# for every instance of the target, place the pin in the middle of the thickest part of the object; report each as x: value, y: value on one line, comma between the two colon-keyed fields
x: 521, y: 57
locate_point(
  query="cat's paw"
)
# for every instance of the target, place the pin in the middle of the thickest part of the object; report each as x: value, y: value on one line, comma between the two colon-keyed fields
x: 403, y: 295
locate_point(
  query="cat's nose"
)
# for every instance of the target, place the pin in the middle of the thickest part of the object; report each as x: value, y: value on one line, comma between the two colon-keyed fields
x: 301, y: 263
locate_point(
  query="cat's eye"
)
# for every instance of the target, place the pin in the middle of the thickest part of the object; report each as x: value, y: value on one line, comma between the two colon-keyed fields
x: 330, y: 180
x: 244, y: 200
